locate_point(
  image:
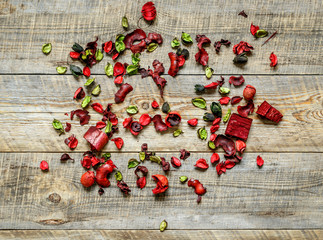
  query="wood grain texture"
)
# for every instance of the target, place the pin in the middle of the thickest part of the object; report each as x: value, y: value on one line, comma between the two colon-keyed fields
x: 169, y: 234
x: 286, y: 193
x: 26, y: 26
x: 29, y: 104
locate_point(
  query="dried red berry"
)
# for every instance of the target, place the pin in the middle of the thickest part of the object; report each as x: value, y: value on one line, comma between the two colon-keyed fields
x: 144, y: 119
x: 173, y: 119
x: 118, y: 80
x: 71, y: 142
x: 75, y: 55
x: 224, y: 100
x: 192, y: 122
x: 122, y: 92
x: 238, y: 127
x: 118, y: 142
x: 253, y: 29
x: 149, y: 11
x: 241, y: 146
x: 215, y: 158
x: 197, y: 185
x: 68, y: 127
x: 44, y: 166
x: 97, y: 107
x: 160, y: 126
x: 202, y: 57
x: 96, y: 138
x: 118, y: 69
x: 236, y: 81
x: 154, y: 105
x: 79, y: 93
x: 260, y: 161
x: 249, y: 92
x: 201, y: 163
x: 244, y: 111
x: 88, y: 179
x: 235, y: 100
x: 273, y: 60
x: 175, y: 162
x: 269, y: 112
x: 86, y: 71
x: 162, y: 183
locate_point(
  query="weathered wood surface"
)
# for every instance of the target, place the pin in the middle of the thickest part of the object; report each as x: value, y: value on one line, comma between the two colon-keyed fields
x: 286, y: 193
x: 26, y: 26
x: 169, y: 234
x: 29, y: 104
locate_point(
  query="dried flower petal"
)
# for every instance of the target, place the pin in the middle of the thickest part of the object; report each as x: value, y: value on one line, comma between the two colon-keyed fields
x: 224, y: 100
x: 192, y: 122
x: 227, y: 116
x: 86, y: 71
x: 173, y: 119
x: 71, y: 142
x: 199, y: 102
x: 236, y: 81
x: 186, y: 38
x: 201, y: 163
x: 216, y: 109
x: 241, y: 48
x: 184, y: 154
x: 202, y: 57
x: 86, y: 101
x: 96, y: 138
x: 209, y: 72
x: 241, y: 146
x: 175, y: 162
x: 160, y: 126
x: 118, y: 142
x: 273, y: 60
x: 163, y: 226
x: 61, y: 70
x: 253, y: 29
x: 162, y: 183
x: 76, y: 71
x: 244, y: 111
x: 149, y: 11
x: 260, y: 161
x: 58, y: 125
x: 235, y: 100
x: 123, y: 187
x: 141, y: 182
x: 132, y: 163
x: 177, y: 132
x: 47, y: 48
x: 215, y: 158
x: 261, y: 33
x: 108, y: 69
x: 212, y: 85
x: 175, y: 43
x: 214, y: 128
x: 100, y: 125
x: 88, y: 179
x: 79, y: 93
x: 132, y: 109
x: 122, y: 93
x: 243, y: 14
x: 44, y: 166
x: 144, y: 119
x: 66, y: 157
x: 183, y: 179
x: 68, y: 127
x: 202, y: 133
x: 226, y: 143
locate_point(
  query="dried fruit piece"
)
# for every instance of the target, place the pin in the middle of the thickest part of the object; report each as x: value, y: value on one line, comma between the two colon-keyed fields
x: 76, y: 71
x: 241, y: 146
x: 224, y: 100
x: 242, y: 47
x: 154, y: 105
x: 165, y: 108
x: 201, y: 163
x: 71, y: 142
x: 132, y: 163
x: 260, y: 161
x: 47, y: 48
x: 198, y: 186
x: 61, y: 70
x: 58, y: 126
x: 86, y: 71
x: 108, y: 69
x: 173, y: 119
x: 261, y: 33
x: 214, y: 128
x: 102, y: 173
x: 160, y: 126
x: 122, y: 92
x: 202, y: 57
x: 184, y: 154
x: 244, y: 111
x: 238, y: 127
x: 88, y: 179
x: 249, y: 92
x: 269, y: 112
x: 79, y: 93
x: 216, y: 109
x: 175, y: 162
x: 175, y: 43
x: 236, y: 81
x: 44, y: 166
x: 202, y: 133
x: 96, y: 138
x: 199, y: 102
x: 144, y: 119
x: 149, y: 11
x: 253, y: 29
x: 118, y: 142
x: 209, y: 72
x: 192, y: 122
x: 224, y: 90
x: 215, y: 158
x: 162, y: 184
x: 163, y: 226
x: 86, y: 101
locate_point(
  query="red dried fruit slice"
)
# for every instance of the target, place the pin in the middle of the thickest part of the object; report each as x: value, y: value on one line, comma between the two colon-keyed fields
x: 260, y: 161
x: 202, y: 57
x: 224, y: 100
x: 269, y: 112
x: 238, y: 127
x: 162, y: 183
x: 144, y: 119
x: 244, y: 111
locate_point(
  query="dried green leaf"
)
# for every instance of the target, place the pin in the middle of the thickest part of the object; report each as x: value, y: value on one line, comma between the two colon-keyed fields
x: 47, y: 48
x: 177, y: 132
x: 132, y: 109
x: 199, y: 88
x: 77, y: 48
x: 96, y: 91
x: 108, y: 70
x: 165, y: 108
x: 261, y: 33
x: 216, y: 109
x: 118, y: 176
x: 135, y: 59
x: 61, y: 70
x: 183, y: 179
x: 119, y: 44
x: 132, y: 69
x: 58, y: 125
x: 108, y: 128
x: 208, y: 117
x: 224, y: 90
x: 89, y: 82
x: 186, y: 38
x: 132, y: 163
x: 155, y: 159
x: 241, y: 58
x: 209, y: 72
x: 227, y: 116
x: 98, y: 55
x: 142, y: 156
x: 152, y: 47
x: 202, y: 133
x: 163, y: 226
x: 76, y: 71
x: 211, y: 145
x: 124, y: 22
x: 175, y: 43
x: 199, y: 102
x: 106, y: 156
x: 86, y: 101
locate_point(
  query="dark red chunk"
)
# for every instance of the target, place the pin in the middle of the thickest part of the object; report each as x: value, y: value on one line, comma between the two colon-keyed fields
x: 122, y: 92
x: 269, y: 112
x: 96, y: 138
x: 238, y: 126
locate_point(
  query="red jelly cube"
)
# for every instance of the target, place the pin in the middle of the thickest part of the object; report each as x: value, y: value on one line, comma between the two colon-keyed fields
x: 238, y: 126
x: 269, y: 112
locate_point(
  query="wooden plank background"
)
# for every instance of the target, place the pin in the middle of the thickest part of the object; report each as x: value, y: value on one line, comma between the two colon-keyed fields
x: 285, y: 194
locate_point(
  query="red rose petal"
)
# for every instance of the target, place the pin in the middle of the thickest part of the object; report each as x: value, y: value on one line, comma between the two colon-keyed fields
x: 118, y: 142
x: 144, y: 119
x: 201, y: 163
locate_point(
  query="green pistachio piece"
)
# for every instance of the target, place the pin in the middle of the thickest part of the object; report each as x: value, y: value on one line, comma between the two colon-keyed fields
x: 155, y: 159
x: 175, y: 43
x: 132, y: 163
x: 163, y: 226
x: 61, y: 70
x: 108, y: 70
x: 211, y: 145
x: 118, y: 176
x: 241, y: 58
x: 208, y: 117
x: 47, y: 48
x: 177, y: 132
x: 199, y: 102
x: 199, y: 88
x: 132, y: 109
x: 186, y: 38
x: 202, y: 133
x: 183, y: 179
x: 209, y: 72
x: 86, y: 101
x: 106, y: 156
x: 96, y: 91
x: 227, y: 116
x: 124, y: 22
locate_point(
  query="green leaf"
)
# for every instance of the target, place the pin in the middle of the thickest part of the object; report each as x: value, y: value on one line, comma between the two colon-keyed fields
x: 58, y: 125
x: 224, y: 90
x: 76, y: 71
x: 208, y: 117
x: 209, y: 72
x: 118, y: 176
x: 89, y: 82
x: 108, y: 70
x: 186, y: 38
x: 119, y: 44
x: 132, y: 69
x: 47, y: 48
x: 135, y: 59
x: 86, y: 101
x: 98, y: 55
x: 202, y: 133
x: 124, y: 22
x: 163, y: 226
x: 77, y: 48
x: 106, y: 156
x: 165, y: 107
x: 216, y: 109
x: 108, y: 128
x: 183, y: 179
x: 61, y: 70
x: 142, y: 156
x: 177, y: 132
x: 227, y: 116
x: 175, y: 43
x: 211, y: 145
x: 132, y: 163
x: 152, y: 47
x: 261, y: 33
x: 199, y: 88
x: 132, y: 109
x: 199, y: 102
x: 155, y: 159
x: 96, y: 91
